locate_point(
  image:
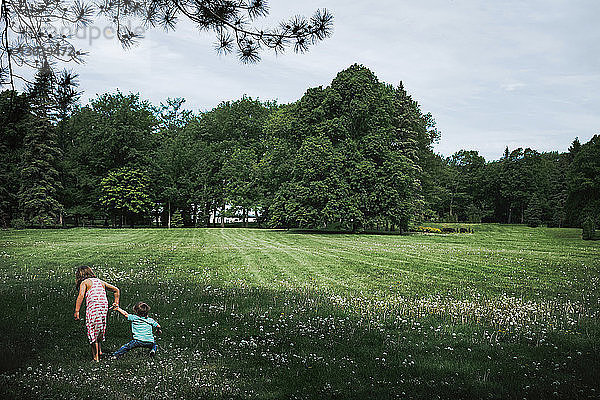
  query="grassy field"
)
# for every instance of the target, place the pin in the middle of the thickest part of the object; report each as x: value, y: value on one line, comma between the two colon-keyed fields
x: 506, y: 312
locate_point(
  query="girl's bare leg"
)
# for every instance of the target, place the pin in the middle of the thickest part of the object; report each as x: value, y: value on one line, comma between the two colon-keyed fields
x: 95, y: 351
x: 99, y: 341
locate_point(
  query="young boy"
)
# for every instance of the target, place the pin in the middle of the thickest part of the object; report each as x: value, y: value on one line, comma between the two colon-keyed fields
x: 141, y: 327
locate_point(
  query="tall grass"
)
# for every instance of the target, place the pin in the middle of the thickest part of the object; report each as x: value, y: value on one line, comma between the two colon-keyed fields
x: 506, y: 312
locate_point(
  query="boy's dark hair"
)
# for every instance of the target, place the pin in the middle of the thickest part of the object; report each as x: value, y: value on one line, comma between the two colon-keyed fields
x: 141, y: 309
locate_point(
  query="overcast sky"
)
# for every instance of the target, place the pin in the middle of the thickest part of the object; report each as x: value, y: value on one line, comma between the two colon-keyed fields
x: 520, y: 73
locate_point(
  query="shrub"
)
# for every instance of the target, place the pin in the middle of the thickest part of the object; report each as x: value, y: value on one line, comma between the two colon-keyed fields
x: 445, y: 229
x: 430, y: 215
x: 177, y: 220
x: 18, y: 223
x: 451, y: 218
x: 589, y: 230
x: 533, y: 212
x: 474, y: 214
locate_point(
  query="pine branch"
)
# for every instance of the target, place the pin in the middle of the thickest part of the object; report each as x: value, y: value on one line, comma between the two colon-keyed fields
x: 30, y: 38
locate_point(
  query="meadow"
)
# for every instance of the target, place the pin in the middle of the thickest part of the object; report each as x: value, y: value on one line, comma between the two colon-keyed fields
x: 505, y: 312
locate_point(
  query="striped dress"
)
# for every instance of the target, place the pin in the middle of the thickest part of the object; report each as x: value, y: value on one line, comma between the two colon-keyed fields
x: 96, y: 309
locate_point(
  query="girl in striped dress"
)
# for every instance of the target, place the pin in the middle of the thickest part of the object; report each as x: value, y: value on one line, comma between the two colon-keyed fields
x: 96, y: 306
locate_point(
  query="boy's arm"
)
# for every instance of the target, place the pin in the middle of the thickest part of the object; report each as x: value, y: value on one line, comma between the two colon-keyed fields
x: 80, y: 297
x: 121, y: 311
x: 115, y: 290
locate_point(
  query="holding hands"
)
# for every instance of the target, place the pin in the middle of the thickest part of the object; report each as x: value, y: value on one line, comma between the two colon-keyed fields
x: 114, y: 306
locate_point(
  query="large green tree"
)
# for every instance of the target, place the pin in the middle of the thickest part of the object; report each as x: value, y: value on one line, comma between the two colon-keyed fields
x: 114, y: 131
x: 14, y: 114
x: 38, y: 192
x: 465, y: 200
x: 347, y: 154
x: 584, y: 183
x: 40, y: 183
x: 518, y: 181
x: 232, y: 144
x: 126, y: 194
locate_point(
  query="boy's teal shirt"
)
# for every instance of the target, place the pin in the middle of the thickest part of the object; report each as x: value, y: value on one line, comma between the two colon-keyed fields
x: 141, y: 327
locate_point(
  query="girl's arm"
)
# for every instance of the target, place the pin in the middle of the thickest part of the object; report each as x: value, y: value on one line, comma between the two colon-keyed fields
x: 115, y: 290
x: 82, y: 289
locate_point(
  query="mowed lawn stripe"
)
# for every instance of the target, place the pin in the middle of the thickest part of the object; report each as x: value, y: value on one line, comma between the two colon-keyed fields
x: 252, y: 313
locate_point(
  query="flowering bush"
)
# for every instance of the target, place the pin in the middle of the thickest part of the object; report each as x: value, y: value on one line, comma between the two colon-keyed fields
x: 427, y: 229
x: 444, y: 229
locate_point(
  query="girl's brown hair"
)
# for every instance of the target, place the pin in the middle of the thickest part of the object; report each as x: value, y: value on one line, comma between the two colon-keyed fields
x: 141, y: 309
x: 82, y: 273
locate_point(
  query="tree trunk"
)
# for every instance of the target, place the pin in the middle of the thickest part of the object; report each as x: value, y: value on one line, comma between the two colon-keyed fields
x: 223, y: 215
x: 169, y: 220
x: 207, y: 215
x: 522, y: 213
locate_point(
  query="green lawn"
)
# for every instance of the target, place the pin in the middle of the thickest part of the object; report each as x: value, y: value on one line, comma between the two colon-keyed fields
x: 506, y: 312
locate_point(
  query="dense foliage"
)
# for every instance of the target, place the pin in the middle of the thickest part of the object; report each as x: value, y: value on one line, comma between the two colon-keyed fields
x: 524, y: 186
x: 355, y: 155
x: 126, y: 193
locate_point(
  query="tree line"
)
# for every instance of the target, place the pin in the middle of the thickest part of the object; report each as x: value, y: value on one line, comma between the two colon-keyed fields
x: 355, y: 155
x: 523, y: 186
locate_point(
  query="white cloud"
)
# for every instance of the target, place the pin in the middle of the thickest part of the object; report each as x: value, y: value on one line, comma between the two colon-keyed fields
x: 492, y: 73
